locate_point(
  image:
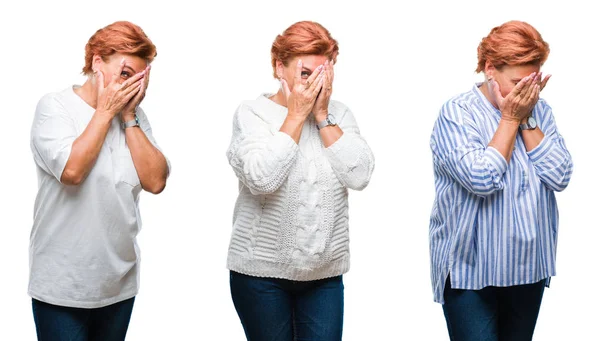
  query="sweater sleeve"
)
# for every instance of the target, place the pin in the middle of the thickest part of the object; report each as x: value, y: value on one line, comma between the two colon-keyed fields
x: 261, y: 158
x: 350, y: 157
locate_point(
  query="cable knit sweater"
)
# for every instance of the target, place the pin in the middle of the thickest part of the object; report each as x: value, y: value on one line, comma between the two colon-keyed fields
x: 291, y: 217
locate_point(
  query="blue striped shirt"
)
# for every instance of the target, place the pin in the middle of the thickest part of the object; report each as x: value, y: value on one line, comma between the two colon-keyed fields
x: 493, y: 223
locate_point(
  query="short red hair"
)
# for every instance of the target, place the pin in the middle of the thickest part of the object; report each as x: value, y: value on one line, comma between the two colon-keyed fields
x: 303, y: 38
x: 512, y: 43
x: 119, y: 37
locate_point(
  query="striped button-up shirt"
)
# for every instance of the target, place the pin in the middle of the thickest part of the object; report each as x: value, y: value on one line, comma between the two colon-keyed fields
x: 493, y: 223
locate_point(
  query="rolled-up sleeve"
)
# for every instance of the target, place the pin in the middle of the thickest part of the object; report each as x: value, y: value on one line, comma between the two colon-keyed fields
x: 260, y: 158
x: 460, y: 151
x: 52, y: 135
x: 551, y: 159
x: 350, y: 156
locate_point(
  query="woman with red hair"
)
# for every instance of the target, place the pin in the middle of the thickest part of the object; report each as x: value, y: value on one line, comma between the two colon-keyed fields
x: 498, y: 159
x: 296, y: 153
x: 94, y: 152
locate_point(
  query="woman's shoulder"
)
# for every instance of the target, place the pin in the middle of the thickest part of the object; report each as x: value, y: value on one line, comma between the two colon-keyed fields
x: 337, y: 107
x: 262, y: 103
x: 50, y: 106
x: 543, y: 103
x: 465, y: 99
x: 465, y: 103
x: 458, y: 107
x: 49, y: 99
x: 261, y: 110
x: 56, y: 98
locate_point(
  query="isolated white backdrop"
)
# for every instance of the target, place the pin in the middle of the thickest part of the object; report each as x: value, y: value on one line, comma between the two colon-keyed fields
x: 398, y: 63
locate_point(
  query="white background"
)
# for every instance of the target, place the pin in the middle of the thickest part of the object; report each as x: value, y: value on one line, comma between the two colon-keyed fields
x: 396, y: 67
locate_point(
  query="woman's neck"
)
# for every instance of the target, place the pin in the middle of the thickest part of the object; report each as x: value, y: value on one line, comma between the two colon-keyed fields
x: 484, y: 88
x: 279, y: 98
x: 87, y: 92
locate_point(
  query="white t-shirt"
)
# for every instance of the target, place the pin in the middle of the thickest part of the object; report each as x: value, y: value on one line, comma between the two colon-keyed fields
x: 83, y: 251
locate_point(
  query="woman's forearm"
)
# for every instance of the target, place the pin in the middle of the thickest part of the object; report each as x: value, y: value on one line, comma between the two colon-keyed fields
x: 150, y: 164
x: 85, y: 149
x: 532, y: 138
x: 293, y: 126
x: 330, y: 134
x: 504, y: 138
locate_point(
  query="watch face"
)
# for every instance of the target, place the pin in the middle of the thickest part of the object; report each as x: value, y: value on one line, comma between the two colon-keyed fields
x: 331, y: 120
x: 532, y: 122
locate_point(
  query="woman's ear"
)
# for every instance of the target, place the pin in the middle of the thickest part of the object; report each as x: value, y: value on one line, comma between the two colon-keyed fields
x: 97, y: 63
x: 490, y: 71
x: 279, y: 68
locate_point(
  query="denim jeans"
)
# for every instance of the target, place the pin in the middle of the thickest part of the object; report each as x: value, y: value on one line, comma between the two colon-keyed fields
x: 58, y: 323
x: 493, y: 313
x: 273, y: 309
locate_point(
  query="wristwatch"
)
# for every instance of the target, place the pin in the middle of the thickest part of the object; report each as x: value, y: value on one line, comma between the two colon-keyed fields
x: 133, y: 123
x: 329, y: 121
x: 530, y: 124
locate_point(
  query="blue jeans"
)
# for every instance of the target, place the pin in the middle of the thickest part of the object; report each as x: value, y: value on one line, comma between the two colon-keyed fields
x: 273, y: 309
x: 58, y: 323
x: 493, y: 313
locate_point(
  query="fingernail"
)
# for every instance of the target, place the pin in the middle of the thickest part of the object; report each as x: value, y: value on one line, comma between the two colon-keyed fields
x: 299, y: 62
x: 123, y: 60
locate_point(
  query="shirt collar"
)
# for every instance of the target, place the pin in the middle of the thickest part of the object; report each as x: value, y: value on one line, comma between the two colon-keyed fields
x: 483, y: 100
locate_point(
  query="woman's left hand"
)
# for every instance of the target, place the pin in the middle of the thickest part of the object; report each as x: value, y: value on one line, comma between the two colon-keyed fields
x: 542, y: 82
x: 128, y: 112
x: 322, y: 102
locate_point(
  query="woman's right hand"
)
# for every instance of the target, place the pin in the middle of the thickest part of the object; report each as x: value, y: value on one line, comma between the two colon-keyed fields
x: 301, y: 99
x: 112, y: 98
x: 519, y: 103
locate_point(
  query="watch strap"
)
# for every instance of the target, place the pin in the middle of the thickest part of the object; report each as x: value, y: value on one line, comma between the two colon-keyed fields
x: 329, y: 121
x: 527, y: 125
x: 133, y: 123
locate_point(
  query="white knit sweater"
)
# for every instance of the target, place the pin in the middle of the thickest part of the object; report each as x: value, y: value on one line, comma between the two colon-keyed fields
x: 291, y: 216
